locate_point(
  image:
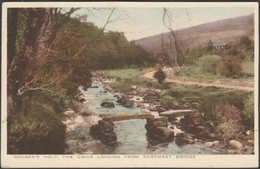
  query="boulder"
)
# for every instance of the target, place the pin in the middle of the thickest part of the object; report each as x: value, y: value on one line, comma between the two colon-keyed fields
x: 216, y: 143
x: 104, y: 131
x: 134, y: 87
x: 235, y: 144
x: 163, y: 133
x: 95, y: 131
x: 181, y: 139
x: 160, y: 124
x: 107, y: 104
x: 125, y: 101
x: 248, y: 132
x: 146, y: 105
x: 137, y: 99
x: 94, y: 86
x: 105, y: 124
x: 194, y: 124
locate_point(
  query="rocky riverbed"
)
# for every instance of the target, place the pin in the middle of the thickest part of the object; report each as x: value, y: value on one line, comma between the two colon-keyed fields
x: 190, y: 134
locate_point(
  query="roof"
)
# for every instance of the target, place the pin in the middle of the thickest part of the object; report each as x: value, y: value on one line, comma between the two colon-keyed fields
x: 219, y: 44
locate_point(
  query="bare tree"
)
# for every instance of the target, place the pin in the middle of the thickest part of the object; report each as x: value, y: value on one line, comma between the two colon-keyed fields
x: 168, y: 23
x: 165, y: 53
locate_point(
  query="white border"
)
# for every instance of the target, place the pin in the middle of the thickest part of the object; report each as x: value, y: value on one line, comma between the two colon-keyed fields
x: 65, y: 161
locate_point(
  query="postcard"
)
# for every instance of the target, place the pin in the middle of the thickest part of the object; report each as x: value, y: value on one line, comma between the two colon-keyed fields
x: 129, y: 84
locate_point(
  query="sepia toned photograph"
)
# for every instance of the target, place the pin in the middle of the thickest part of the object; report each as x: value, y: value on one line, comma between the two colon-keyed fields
x: 115, y: 82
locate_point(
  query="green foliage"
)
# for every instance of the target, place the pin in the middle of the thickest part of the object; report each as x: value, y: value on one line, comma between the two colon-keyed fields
x: 248, y: 111
x: 160, y: 75
x: 192, y: 55
x: 37, y: 128
x: 201, y: 65
x: 21, y: 25
x: 209, y: 63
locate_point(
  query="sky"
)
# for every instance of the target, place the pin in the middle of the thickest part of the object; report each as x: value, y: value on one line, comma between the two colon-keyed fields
x: 137, y: 23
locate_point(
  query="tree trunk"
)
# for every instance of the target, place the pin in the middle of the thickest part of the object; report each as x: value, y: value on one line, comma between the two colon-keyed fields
x: 11, y: 34
x: 38, y: 38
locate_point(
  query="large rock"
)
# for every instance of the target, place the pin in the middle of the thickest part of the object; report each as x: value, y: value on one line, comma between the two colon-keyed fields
x: 94, y: 86
x: 137, y: 99
x: 69, y: 112
x: 125, y: 101
x: 105, y: 124
x: 235, y: 144
x: 107, y: 104
x: 162, y: 133
x: 194, y: 124
x: 157, y: 129
x: 104, y: 131
x: 95, y: 131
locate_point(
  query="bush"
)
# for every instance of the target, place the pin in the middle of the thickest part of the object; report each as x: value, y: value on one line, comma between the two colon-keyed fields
x: 192, y: 55
x: 246, y: 42
x: 229, y: 67
x: 159, y: 75
x: 248, y: 112
x: 209, y: 63
x: 230, y: 126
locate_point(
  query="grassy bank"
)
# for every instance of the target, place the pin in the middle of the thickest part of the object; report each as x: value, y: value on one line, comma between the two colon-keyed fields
x: 123, y: 73
x: 37, y: 128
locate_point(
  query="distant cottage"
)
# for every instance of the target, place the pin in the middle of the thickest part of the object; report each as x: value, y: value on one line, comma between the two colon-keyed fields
x: 220, y: 45
x: 217, y: 45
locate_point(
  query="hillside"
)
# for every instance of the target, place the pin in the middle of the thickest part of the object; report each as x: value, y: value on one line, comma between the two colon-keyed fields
x: 227, y: 30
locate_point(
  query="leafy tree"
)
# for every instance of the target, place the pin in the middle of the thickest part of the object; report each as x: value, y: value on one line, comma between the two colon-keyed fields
x: 159, y: 75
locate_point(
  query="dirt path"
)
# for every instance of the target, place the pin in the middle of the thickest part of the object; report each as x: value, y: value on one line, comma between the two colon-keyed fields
x: 217, y: 83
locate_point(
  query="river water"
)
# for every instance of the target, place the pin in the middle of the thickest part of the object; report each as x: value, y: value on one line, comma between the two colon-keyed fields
x: 131, y: 134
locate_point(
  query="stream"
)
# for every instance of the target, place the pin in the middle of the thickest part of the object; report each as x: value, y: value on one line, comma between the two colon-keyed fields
x: 131, y: 134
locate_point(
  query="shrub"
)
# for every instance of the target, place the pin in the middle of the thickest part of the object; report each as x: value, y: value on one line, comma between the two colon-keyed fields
x: 248, y: 112
x: 229, y: 67
x: 159, y: 75
x: 227, y: 111
x: 246, y: 42
x: 230, y: 125
x: 209, y: 63
x: 192, y: 55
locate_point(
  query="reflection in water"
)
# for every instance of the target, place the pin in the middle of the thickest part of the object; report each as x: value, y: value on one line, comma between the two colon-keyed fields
x: 131, y: 134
